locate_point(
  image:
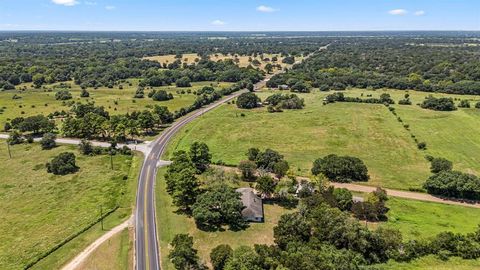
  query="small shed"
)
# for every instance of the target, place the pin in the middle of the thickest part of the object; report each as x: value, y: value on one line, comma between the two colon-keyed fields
x: 253, y: 204
x: 283, y: 87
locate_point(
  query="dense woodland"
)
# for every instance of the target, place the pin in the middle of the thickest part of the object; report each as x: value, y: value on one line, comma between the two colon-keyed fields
x: 432, y: 64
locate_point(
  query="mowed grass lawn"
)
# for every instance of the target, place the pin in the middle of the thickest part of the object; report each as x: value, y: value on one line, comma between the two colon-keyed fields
x: 39, y: 210
x: 367, y: 131
x: 116, y: 101
x: 170, y: 223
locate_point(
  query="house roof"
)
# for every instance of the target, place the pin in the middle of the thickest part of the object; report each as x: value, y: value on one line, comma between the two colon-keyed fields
x: 253, y: 204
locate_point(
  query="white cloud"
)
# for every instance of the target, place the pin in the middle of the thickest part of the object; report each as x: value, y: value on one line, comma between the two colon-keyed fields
x: 68, y: 3
x: 218, y: 22
x: 109, y: 7
x: 265, y: 9
x: 400, y: 12
x: 419, y: 13
x: 90, y: 3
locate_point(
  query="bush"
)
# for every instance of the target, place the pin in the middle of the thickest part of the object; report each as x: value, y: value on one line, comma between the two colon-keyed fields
x: 219, y: 256
x: 139, y: 93
x: 464, y: 104
x: 477, y: 105
x: 84, y: 93
x: 48, y: 141
x: 454, y: 184
x: 341, y: 168
x: 15, y: 138
x: 62, y: 164
x: 422, y: 145
x: 248, y: 101
x: 285, y: 101
x: 63, y: 95
x: 85, y: 147
x: 440, y: 164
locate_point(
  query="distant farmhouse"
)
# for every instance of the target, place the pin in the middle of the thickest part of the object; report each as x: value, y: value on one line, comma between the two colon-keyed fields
x: 253, y: 204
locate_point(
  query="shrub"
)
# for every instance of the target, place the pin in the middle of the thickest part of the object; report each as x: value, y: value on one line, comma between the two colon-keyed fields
x: 464, y: 104
x: 15, y: 138
x: 247, y: 168
x: 477, y: 105
x: 48, y: 141
x: 219, y: 256
x: 63, y: 95
x: 85, y: 147
x: 341, y: 168
x: 62, y: 164
x: 440, y: 164
x: 84, y: 93
x: 422, y: 145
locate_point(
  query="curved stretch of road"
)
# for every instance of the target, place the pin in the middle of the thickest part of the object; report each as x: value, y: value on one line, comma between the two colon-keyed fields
x: 146, y: 244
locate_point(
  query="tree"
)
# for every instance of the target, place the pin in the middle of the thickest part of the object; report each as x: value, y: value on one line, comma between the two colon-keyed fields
x: 291, y: 228
x: 280, y: 168
x: 343, y: 198
x: 266, y: 160
x: 269, y: 68
x: 85, y: 147
x: 186, y: 189
x: 477, y: 105
x: 63, y: 95
x: 200, y: 156
x: 248, y: 101
x: 219, y: 256
x: 161, y: 95
x: 62, y: 164
x: 289, y: 60
x: 221, y: 205
x: 440, y: 164
x: 243, y: 258
x: 438, y: 104
x: 265, y: 185
x: 84, y: 93
x: 183, y: 256
x: 48, y: 141
x: 165, y: 116
x: 252, y: 154
x: 454, y: 184
x: 464, y: 103
x: 247, y: 168
x: 15, y: 138
x: 341, y: 168
x: 183, y: 82
x: 139, y: 93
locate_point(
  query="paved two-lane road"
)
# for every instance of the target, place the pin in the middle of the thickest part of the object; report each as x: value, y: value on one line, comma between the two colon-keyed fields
x: 146, y: 242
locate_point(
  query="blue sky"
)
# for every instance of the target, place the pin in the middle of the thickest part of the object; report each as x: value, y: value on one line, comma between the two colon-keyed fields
x: 239, y: 15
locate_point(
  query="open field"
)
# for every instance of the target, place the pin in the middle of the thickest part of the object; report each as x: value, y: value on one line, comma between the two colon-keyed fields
x: 452, y: 135
x: 243, y: 60
x: 114, y: 100
x: 170, y: 223
x: 367, y: 131
x: 116, y: 253
x: 416, y: 219
x: 39, y: 210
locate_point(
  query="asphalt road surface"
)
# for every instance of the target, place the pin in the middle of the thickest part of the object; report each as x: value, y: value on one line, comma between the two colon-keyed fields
x: 147, y: 255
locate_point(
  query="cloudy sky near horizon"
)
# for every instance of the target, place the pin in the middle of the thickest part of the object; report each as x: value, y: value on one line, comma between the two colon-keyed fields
x: 239, y: 15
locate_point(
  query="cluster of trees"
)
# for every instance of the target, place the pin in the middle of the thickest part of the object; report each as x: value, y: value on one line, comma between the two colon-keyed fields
x: 438, y: 104
x: 160, y: 95
x: 342, y: 169
x: 340, y: 97
x: 397, y: 62
x: 449, y: 183
x: 37, y: 124
x: 278, y: 101
x: 90, y: 121
x: 211, y: 206
x: 269, y: 161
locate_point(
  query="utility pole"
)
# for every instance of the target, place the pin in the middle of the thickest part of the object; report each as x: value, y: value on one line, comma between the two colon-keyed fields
x: 9, y: 153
